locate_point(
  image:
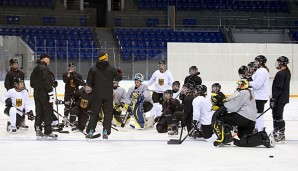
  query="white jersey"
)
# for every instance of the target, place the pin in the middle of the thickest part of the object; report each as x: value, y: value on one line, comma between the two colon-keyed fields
x: 161, y: 81
x: 202, y: 110
x: 142, y: 89
x: 260, y: 84
x: 120, y: 96
x: 176, y: 95
x: 20, y: 100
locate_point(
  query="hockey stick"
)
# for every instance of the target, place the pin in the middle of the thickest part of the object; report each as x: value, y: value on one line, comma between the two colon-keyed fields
x: 263, y: 112
x: 179, y: 141
x: 56, y: 104
x: 71, y: 124
x: 125, y: 119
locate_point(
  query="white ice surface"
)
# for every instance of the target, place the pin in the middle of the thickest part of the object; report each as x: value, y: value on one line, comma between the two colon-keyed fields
x: 138, y: 150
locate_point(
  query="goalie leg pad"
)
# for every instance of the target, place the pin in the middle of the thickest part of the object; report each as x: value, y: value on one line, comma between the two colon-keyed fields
x: 139, y: 115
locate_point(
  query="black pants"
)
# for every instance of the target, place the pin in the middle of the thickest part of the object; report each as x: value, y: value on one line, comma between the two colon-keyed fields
x: 82, y: 117
x: 99, y: 104
x: 147, y: 106
x: 44, y: 111
x: 244, y: 125
x: 207, y: 131
x: 277, y: 114
x: 157, y: 97
x: 260, y: 105
x: 186, y: 120
x: 67, y: 106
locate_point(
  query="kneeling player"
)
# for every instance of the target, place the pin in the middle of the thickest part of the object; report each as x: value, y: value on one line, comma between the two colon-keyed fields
x: 186, y: 115
x: 120, y: 102
x: 169, y: 106
x: 17, y: 105
x: 81, y: 107
x: 239, y: 110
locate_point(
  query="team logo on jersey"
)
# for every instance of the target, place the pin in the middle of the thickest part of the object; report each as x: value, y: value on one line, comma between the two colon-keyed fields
x: 19, y: 102
x: 72, y: 83
x: 84, y: 103
x: 161, y: 82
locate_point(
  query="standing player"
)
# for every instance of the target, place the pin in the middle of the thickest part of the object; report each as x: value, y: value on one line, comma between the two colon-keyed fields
x: 72, y: 81
x: 17, y: 100
x: 260, y: 86
x: 176, y: 89
x: 193, y: 77
x: 41, y: 80
x: 162, y: 80
x: 100, y: 78
x: 14, y: 72
x: 280, y: 97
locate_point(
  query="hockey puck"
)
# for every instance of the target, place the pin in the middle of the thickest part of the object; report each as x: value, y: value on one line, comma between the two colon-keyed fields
x: 271, y: 156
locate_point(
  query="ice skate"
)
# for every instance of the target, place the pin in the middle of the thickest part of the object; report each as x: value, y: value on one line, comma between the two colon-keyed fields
x: 39, y: 134
x: 50, y: 136
x: 8, y: 126
x: 89, y: 134
x: 23, y: 125
x: 105, y: 135
x: 279, y: 136
x: 13, y: 129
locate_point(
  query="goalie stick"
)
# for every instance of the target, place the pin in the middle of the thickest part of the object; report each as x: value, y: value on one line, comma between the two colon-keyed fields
x: 71, y: 124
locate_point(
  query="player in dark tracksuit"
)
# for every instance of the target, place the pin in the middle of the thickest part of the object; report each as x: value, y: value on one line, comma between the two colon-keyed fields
x: 100, y: 78
x: 280, y: 97
x: 72, y: 81
x: 41, y: 80
x: 80, y: 108
x: 14, y: 72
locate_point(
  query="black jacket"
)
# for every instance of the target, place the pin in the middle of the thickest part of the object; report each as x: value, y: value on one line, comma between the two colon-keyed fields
x: 101, y: 77
x: 281, y: 86
x: 82, y: 100
x: 72, y: 83
x: 10, y: 75
x: 194, y: 79
x: 187, y: 105
x: 41, y: 79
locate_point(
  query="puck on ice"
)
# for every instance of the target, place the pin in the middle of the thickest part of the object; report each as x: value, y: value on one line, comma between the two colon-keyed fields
x: 271, y: 156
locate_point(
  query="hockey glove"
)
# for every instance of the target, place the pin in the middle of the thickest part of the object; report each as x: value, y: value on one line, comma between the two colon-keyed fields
x: 135, y: 95
x: 55, y: 84
x: 51, y: 97
x: 8, y: 102
x: 30, y: 115
x: 214, y: 108
x: 272, y: 103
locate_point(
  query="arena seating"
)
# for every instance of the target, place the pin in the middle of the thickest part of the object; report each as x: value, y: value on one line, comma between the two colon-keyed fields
x: 59, y: 42
x: 28, y: 3
x: 141, y: 43
x: 294, y: 35
x: 250, y: 5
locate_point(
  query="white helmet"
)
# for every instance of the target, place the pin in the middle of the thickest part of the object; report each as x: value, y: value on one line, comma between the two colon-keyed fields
x: 139, y: 77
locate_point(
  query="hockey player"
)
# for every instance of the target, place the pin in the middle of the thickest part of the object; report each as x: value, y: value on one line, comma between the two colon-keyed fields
x: 260, y: 86
x: 239, y: 110
x: 100, y: 78
x: 120, y: 102
x: 186, y: 115
x: 176, y: 89
x: 193, y: 77
x: 80, y: 107
x: 280, y: 97
x: 139, y: 92
x: 14, y: 72
x: 72, y: 82
x: 41, y: 80
x: 202, y: 112
x: 217, y: 97
x: 17, y: 101
x: 162, y: 80
x: 169, y: 106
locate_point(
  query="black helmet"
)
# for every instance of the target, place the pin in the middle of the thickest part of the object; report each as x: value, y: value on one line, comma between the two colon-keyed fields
x: 261, y: 59
x: 201, y: 90
x: 215, y: 87
x: 190, y: 87
x: 193, y: 68
x: 168, y: 92
x: 176, y: 83
x: 162, y: 62
x: 17, y: 81
x: 13, y: 61
x: 283, y: 60
x: 71, y: 65
x: 242, y: 70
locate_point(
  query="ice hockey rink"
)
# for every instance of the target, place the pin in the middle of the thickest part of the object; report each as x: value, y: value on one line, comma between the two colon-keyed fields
x: 130, y: 149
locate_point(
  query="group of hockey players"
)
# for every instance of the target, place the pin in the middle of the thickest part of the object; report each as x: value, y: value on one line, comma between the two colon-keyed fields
x: 169, y: 107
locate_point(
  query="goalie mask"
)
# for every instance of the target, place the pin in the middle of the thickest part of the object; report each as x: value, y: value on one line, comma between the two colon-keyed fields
x: 281, y: 61
x: 242, y: 85
x: 168, y: 94
x: 215, y: 88
x: 139, y: 77
x: 18, y: 83
x: 87, y: 89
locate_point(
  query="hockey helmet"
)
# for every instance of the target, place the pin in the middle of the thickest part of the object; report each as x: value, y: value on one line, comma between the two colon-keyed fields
x: 215, y: 88
x: 281, y: 61
x: 200, y: 90
x: 16, y: 83
x: 71, y: 65
x: 139, y: 77
x: 261, y: 59
x: 13, y: 61
x: 242, y: 71
x: 167, y: 94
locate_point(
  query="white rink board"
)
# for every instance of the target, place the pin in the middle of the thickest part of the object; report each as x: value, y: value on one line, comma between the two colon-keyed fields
x: 219, y: 62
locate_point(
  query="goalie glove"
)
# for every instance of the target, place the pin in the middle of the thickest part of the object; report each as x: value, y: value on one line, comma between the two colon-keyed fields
x: 30, y: 115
